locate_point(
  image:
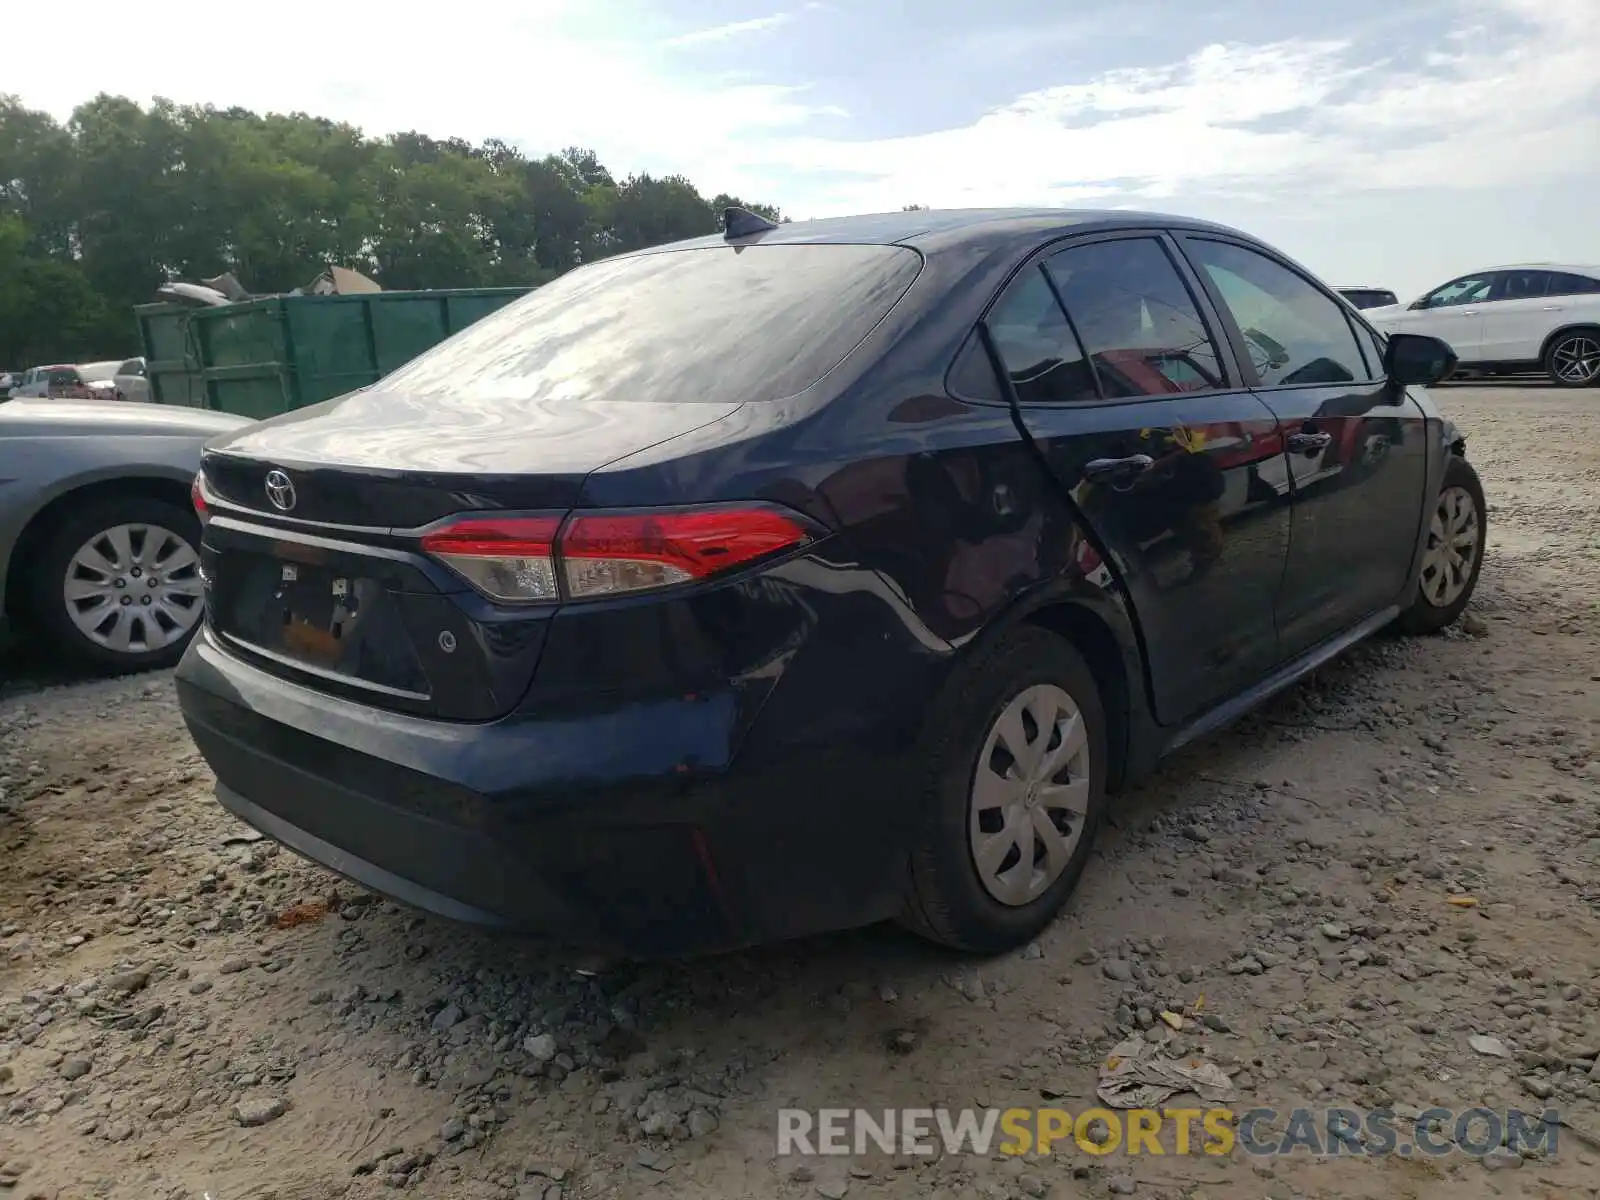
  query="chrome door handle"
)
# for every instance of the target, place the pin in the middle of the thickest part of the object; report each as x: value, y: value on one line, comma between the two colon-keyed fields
x: 1552, y: 308
x: 1309, y: 443
x: 1469, y: 312
x: 1118, y: 468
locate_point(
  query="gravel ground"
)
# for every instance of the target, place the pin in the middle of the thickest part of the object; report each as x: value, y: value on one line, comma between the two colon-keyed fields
x: 186, y: 1011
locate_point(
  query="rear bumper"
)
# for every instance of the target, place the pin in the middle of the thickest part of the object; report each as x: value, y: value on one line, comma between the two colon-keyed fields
x: 597, y: 829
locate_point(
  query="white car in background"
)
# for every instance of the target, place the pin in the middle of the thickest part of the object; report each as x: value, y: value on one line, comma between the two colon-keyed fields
x: 70, y: 381
x: 132, y: 381
x: 1534, y: 317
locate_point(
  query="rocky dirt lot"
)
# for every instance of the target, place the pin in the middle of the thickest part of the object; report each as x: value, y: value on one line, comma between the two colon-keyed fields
x: 185, y: 1011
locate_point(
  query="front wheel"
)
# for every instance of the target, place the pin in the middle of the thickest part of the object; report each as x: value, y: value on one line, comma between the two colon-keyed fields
x: 117, y: 584
x: 1015, y: 792
x: 1573, y: 359
x: 1453, y: 553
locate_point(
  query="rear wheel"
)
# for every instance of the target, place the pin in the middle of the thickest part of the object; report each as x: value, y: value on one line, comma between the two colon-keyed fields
x: 1015, y: 793
x: 117, y: 583
x: 1452, y: 557
x: 1573, y: 358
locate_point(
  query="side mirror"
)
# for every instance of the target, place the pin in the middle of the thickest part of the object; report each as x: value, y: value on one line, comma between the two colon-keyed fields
x: 1418, y: 304
x: 1414, y: 358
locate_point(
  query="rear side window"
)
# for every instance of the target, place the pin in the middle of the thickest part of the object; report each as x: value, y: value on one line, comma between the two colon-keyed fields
x: 1136, y: 318
x: 1521, y: 285
x: 1037, y: 346
x: 719, y: 324
x: 1564, y: 283
x: 66, y: 378
x: 1294, y: 332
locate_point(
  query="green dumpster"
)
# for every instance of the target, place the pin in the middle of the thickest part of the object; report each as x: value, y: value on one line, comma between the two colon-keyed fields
x: 269, y: 356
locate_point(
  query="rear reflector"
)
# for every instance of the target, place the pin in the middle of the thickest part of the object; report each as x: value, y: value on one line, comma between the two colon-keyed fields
x: 515, y: 559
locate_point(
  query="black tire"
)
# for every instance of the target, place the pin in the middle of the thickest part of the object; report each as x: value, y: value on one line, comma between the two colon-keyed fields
x: 1424, y: 616
x: 1565, y: 342
x: 49, y: 570
x: 946, y: 902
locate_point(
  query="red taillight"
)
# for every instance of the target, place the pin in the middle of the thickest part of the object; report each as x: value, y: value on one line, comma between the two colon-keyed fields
x: 516, y: 559
x: 197, y: 495
x: 510, y: 558
x: 629, y: 552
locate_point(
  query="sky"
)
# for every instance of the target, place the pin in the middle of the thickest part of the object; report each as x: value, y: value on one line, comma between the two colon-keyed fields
x: 1391, y: 143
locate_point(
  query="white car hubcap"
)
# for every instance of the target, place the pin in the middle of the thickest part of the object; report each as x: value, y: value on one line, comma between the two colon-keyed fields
x: 133, y: 589
x: 1453, y: 536
x: 1030, y: 795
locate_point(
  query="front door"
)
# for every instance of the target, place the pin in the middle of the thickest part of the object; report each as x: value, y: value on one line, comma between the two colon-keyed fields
x: 1357, y: 449
x: 1453, y: 312
x: 1178, y: 470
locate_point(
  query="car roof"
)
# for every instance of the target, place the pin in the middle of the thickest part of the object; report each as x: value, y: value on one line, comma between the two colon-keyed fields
x: 1573, y: 268
x: 923, y: 227
x: 1360, y: 287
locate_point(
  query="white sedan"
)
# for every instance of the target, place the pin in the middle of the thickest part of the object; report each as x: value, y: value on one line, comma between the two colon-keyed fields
x: 1537, y: 317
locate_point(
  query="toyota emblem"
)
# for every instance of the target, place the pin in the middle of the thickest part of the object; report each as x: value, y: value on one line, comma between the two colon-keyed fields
x: 280, y: 490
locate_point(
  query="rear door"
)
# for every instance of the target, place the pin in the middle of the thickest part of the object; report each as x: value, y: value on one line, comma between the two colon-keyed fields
x: 1517, y: 318
x: 1569, y: 300
x: 1138, y: 412
x: 1356, y: 444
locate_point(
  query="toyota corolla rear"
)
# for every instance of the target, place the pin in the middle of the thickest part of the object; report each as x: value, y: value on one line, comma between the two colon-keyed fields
x: 499, y: 635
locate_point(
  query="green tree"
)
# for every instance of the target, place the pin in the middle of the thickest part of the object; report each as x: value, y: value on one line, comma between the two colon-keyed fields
x: 121, y: 198
x: 48, y: 309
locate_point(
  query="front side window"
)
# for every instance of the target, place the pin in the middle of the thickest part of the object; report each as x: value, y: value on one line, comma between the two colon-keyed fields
x: 1034, y: 341
x: 1472, y: 290
x: 1372, y: 350
x: 1295, y: 333
x: 1137, y: 320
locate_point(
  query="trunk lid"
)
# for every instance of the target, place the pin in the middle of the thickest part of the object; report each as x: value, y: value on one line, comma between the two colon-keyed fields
x: 392, y: 460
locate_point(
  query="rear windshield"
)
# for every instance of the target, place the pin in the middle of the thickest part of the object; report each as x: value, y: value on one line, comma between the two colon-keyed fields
x: 720, y: 324
x: 1368, y: 299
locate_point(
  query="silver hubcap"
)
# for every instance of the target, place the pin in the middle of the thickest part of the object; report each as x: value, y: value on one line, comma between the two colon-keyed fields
x: 1030, y: 795
x: 1452, y: 548
x: 134, y: 588
x: 1577, y: 359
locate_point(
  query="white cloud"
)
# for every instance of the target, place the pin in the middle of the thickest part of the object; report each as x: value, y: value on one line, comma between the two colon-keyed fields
x: 733, y: 29
x: 1508, y: 91
x: 1512, y: 100
x: 542, y: 73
